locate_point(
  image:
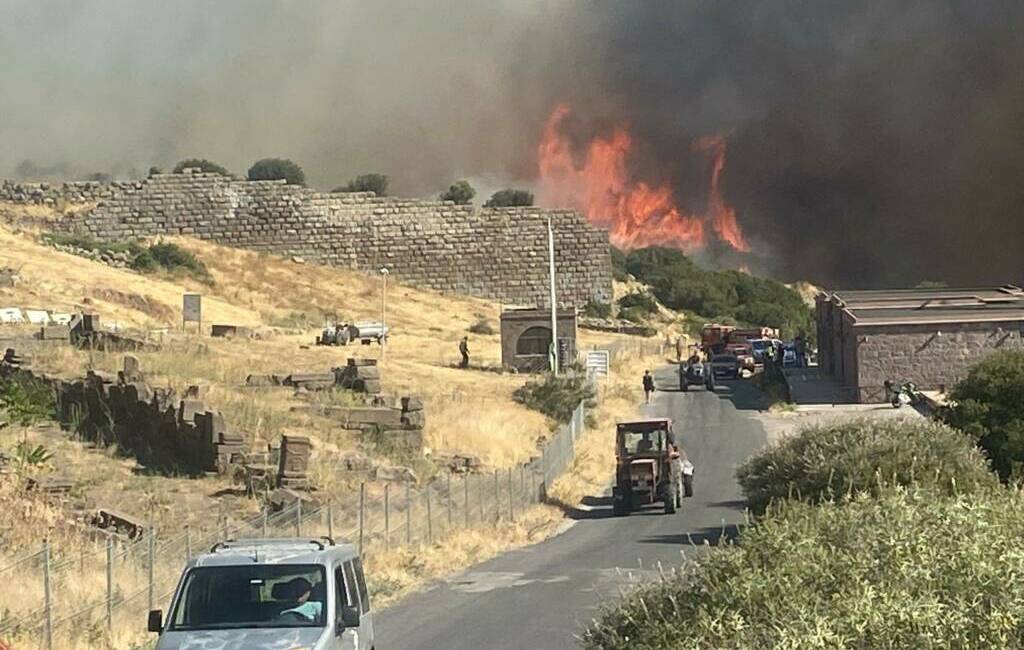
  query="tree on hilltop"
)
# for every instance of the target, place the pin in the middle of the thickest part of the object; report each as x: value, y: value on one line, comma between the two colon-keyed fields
x: 376, y: 183
x: 202, y: 164
x: 272, y: 169
x: 509, y: 198
x: 461, y: 192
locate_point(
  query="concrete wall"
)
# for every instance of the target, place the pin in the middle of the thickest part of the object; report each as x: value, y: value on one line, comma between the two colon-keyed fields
x: 493, y: 253
x: 919, y: 354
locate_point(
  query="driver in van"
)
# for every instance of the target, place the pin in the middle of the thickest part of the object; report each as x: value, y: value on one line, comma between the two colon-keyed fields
x: 300, y: 591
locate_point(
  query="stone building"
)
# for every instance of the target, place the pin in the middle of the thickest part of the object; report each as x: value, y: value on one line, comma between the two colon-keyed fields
x: 526, y: 338
x: 928, y: 336
x: 496, y: 253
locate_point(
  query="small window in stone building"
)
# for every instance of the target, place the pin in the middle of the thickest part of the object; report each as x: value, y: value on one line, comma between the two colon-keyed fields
x: 534, y: 341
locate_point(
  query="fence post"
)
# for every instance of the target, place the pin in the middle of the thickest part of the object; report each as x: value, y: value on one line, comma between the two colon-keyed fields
x: 387, y: 516
x: 465, y: 490
x: 408, y: 515
x: 152, y: 559
x: 430, y: 519
x: 523, y: 496
x: 497, y: 498
x: 448, y: 497
x: 330, y: 518
x: 511, y: 509
x: 362, y: 514
x: 110, y: 584
x: 47, y: 596
x: 298, y: 518
x: 265, y: 522
x: 224, y: 527
x: 188, y: 543
x: 481, y: 488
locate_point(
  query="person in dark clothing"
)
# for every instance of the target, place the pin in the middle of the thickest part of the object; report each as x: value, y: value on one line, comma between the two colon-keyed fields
x: 648, y: 386
x: 464, y: 351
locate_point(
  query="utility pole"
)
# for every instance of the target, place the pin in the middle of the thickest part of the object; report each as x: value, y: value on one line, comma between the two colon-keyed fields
x: 553, y: 355
x: 383, y: 312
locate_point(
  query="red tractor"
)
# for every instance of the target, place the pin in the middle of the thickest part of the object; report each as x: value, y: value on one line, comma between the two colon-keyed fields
x: 649, y: 467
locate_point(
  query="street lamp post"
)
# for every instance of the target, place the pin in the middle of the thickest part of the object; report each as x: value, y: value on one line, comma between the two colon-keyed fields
x: 383, y: 312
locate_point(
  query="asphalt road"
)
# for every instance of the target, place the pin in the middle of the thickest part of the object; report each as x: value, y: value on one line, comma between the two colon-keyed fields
x: 541, y: 597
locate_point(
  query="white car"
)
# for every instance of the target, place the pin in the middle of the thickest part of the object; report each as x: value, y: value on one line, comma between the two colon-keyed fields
x: 269, y: 594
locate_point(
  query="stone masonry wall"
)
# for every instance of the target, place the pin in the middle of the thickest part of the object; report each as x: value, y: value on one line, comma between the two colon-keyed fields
x: 919, y: 354
x: 499, y: 254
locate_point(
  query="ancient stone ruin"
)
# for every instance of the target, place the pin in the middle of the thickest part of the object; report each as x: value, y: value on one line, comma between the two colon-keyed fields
x: 498, y: 253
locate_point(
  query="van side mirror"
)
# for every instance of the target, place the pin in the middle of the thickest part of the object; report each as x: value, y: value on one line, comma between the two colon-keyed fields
x: 156, y: 620
x: 350, y: 615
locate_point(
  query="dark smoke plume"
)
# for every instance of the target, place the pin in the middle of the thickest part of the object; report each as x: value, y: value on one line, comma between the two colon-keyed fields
x: 872, y: 142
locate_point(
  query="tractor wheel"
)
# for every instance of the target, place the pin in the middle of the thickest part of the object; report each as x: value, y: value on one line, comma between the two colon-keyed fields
x: 622, y: 507
x: 684, y: 385
x: 687, y: 485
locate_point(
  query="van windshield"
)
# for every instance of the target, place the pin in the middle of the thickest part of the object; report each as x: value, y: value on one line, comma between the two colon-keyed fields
x: 275, y: 595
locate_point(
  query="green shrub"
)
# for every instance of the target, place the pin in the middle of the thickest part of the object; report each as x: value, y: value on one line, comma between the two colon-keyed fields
x: 820, y: 463
x: 376, y: 183
x: 905, y: 570
x: 461, y: 192
x: 597, y: 309
x: 637, y: 306
x: 272, y: 169
x: 719, y: 295
x: 25, y: 401
x: 556, y: 396
x: 509, y: 198
x: 482, y: 326
x: 202, y: 164
x: 171, y: 258
x: 989, y: 406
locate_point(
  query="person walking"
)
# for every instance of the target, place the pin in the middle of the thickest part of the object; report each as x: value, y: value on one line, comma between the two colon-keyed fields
x: 464, y: 351
x: 680, y: 348
x: 648, y: 386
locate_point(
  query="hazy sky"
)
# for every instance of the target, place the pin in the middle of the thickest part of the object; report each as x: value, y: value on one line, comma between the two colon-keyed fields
x: 872, y: 142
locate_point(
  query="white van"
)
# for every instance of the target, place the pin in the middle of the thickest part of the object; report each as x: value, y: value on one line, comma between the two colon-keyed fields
x: 270, y: 594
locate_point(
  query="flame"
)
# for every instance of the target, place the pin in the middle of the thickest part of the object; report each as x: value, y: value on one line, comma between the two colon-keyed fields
x: 635, y: 213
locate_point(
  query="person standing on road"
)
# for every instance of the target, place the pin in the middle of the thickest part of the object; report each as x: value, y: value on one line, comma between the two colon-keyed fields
x: 464, y: 351
x: 679, y: 349
x: 648, y: 386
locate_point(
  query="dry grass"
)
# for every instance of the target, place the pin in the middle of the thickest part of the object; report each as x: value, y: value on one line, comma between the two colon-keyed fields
x: 468, y: 411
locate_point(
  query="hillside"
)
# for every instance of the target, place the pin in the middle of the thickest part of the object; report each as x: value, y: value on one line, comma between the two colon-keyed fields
x: 468, y: 412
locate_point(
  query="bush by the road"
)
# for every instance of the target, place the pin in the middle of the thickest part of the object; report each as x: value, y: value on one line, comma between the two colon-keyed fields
x: 905, y: 570
x: 555, y: 396
x: 272, y: 169
x: 836, y: 461
x: 723, y: 296
x: 989, y: 406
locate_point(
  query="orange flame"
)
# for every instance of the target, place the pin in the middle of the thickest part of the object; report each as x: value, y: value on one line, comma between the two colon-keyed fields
x: 635, y: 213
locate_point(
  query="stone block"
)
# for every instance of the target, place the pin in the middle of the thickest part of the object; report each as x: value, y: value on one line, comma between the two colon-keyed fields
x: 414, y: 419
x: 55, y: 333
x: 412, y: 403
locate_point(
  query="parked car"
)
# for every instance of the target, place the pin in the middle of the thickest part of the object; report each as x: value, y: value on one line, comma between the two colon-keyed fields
x: 789, y: 356
x: 724, y: 366
x: 267, y: 594
x: 758, y: 348
x: 691, y: 374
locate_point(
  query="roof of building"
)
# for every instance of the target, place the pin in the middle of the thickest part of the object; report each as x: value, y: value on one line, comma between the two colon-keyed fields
x: 931, y: 306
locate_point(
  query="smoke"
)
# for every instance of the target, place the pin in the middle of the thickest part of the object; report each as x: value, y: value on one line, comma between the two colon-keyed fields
x: 870, y: 142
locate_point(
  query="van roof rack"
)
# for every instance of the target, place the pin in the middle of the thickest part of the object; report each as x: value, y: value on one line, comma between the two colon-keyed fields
x: 320, y: 542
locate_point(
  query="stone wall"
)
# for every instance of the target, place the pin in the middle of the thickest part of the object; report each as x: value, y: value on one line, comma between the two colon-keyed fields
x: 59, y: 194
x: 931, y: 356
x: 499, y: 254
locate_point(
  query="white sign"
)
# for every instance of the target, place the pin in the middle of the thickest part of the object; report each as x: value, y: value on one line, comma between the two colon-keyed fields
x: 37, y: 316
x: 192, y: 308
x: 597, y: 362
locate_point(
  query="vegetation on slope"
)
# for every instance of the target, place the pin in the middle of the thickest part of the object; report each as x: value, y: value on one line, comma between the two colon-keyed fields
x: 723, y: 296
x: 989, y: 406
x: 835, y: 461
x: 905, y: 570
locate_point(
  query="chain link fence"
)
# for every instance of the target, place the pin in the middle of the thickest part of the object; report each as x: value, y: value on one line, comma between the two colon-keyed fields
x: 89, y: 594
